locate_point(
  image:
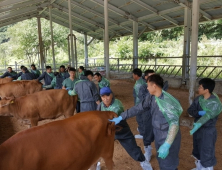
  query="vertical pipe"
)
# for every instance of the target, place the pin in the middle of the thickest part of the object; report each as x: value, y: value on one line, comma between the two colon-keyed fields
x: 40, y: 43
x: 186, y: 44
x: 52, y: 40
x: 106, y: 40
x: 135, y: 44
x: 71, y: 33
x: 69, y: 51
x: 75, y: 47
x: 194, y: 42
x: 86, y: 50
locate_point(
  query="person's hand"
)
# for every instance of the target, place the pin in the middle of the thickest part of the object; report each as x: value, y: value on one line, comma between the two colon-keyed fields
x: 68, y: 88
x: 98, y: 102
x: 195, y: 128
x: 70, y: 92
x: 164, y: 150
x: 201, y: 113
x: 116, y: 119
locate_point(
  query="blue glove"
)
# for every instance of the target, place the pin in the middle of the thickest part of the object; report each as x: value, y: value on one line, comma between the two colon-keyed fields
x: 195, y: 128
x: 116, y: 119
x: 68, y: 88
x: 70, y: 92
x: 201, y: 113
x: 164, y: 150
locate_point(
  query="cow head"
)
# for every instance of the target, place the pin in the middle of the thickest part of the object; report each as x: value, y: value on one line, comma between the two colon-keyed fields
x: 4, y: 106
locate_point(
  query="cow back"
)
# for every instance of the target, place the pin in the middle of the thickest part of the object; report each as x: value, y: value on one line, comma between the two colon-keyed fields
x: 5, y: 80
x: 73, y: 143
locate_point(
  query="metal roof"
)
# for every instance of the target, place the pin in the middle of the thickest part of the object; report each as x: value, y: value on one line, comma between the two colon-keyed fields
x: 88, y: 17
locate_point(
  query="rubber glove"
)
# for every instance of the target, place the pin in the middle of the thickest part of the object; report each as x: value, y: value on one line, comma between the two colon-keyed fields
x: 164, y: 150
x: 201, y: 113
x: 195, y: 128
x: 70, y: 92
x: 116, y: 119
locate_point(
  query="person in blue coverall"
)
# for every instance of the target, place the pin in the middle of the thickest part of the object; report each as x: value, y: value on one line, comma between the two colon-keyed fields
x: 205, y: 110
x: 9, y: 73
x: 165, y: 110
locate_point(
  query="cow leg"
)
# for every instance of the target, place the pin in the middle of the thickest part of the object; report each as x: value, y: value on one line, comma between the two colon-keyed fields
x: 109, y: 162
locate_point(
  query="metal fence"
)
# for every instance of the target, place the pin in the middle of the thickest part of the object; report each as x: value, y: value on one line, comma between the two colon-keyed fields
x: 166, y: 66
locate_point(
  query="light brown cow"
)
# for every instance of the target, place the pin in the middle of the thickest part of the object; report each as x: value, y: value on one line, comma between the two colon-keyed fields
x: 70, y: 144
x: 19, y: 88
x: 5, y: 80
x: 48, y: 104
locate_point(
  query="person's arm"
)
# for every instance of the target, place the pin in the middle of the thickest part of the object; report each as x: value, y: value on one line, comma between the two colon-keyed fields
x: 53, y: 83
x: 138, y: 109
x: 99, y: 107
x: 95, y: 93
x: 4, y: 75
x: 143, y: 92
x: 42, y: 76
x: 193, y: 109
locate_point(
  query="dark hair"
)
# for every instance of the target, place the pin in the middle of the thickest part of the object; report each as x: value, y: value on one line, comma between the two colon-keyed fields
x: 207, y: 83
x: 72, y: 69
x: 10, y: 67
x: 33, y: 65
x: 137, y: 72
x: 88, y: 72
x: 24, y: 69
x: 21, y: 67
x: 157, y: 79
x: 48, y: 67
x: 62, y: 66
x: 81, y: 67
x: 148, y: 72
x: 97, y: 74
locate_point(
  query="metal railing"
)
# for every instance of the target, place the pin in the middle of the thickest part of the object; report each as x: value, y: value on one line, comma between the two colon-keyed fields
x: 125, y: 66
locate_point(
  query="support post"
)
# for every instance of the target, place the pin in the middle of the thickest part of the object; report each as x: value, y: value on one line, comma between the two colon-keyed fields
x: 71, y: 33
x: 194, y: 42
x: 86, y: 50
x: 186, y: 44
x: 135, y: 44
x: 40, y: 43
x: 106, y: 40
x: 69, y: 51
x: 52, y: 40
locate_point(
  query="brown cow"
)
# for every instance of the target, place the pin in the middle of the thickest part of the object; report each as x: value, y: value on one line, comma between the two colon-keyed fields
x: 5, y: 80
x: 70, y: 144
x: 19, y: 88
x: 48, y: 104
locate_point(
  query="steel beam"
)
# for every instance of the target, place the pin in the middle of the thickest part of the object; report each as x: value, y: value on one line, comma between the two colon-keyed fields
x: 11, y: 2
x: 106, y: 38
x: 99, y: 14
x: 51, y: 2
x: 71, y: 33
x: 135, y: 44
x: 90, y: 41
x: 52, y: 39
x: 86, y: 50
x: 194, y: 42
x: 40, y: 43
x: 8, y: 15
x: 186, y: 44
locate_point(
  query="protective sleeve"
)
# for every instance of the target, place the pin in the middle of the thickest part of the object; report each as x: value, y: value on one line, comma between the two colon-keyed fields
x: 138, y: 109
x: 171, y: 110
x: 5, y: 75
x: 213, y: 108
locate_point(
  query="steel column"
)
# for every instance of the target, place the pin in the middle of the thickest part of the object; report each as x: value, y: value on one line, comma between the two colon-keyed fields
x: 86, y: 50
x: 40, y: 43
x: 69, y: 51
x: 194, y: 42
x: 106, y: 38
x: 186, y: 44
x: 135, y: 44
x: 52, y: 40
x: 71, y: 33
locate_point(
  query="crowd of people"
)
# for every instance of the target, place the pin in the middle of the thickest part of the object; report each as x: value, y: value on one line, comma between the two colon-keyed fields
x: 157, y: 112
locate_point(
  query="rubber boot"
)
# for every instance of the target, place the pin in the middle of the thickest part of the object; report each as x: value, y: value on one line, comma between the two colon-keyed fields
x: 198, y: 165
x: 148, y: 152
x: 146, y: 165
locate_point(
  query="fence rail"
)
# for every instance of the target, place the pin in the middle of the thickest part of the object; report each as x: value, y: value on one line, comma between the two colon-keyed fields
x: 171, y: 68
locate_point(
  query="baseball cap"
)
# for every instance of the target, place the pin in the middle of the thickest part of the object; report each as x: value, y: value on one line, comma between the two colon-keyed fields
x: 105, y: 91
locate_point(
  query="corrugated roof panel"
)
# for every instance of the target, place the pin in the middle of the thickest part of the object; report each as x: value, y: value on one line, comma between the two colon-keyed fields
x: 160, y: 4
